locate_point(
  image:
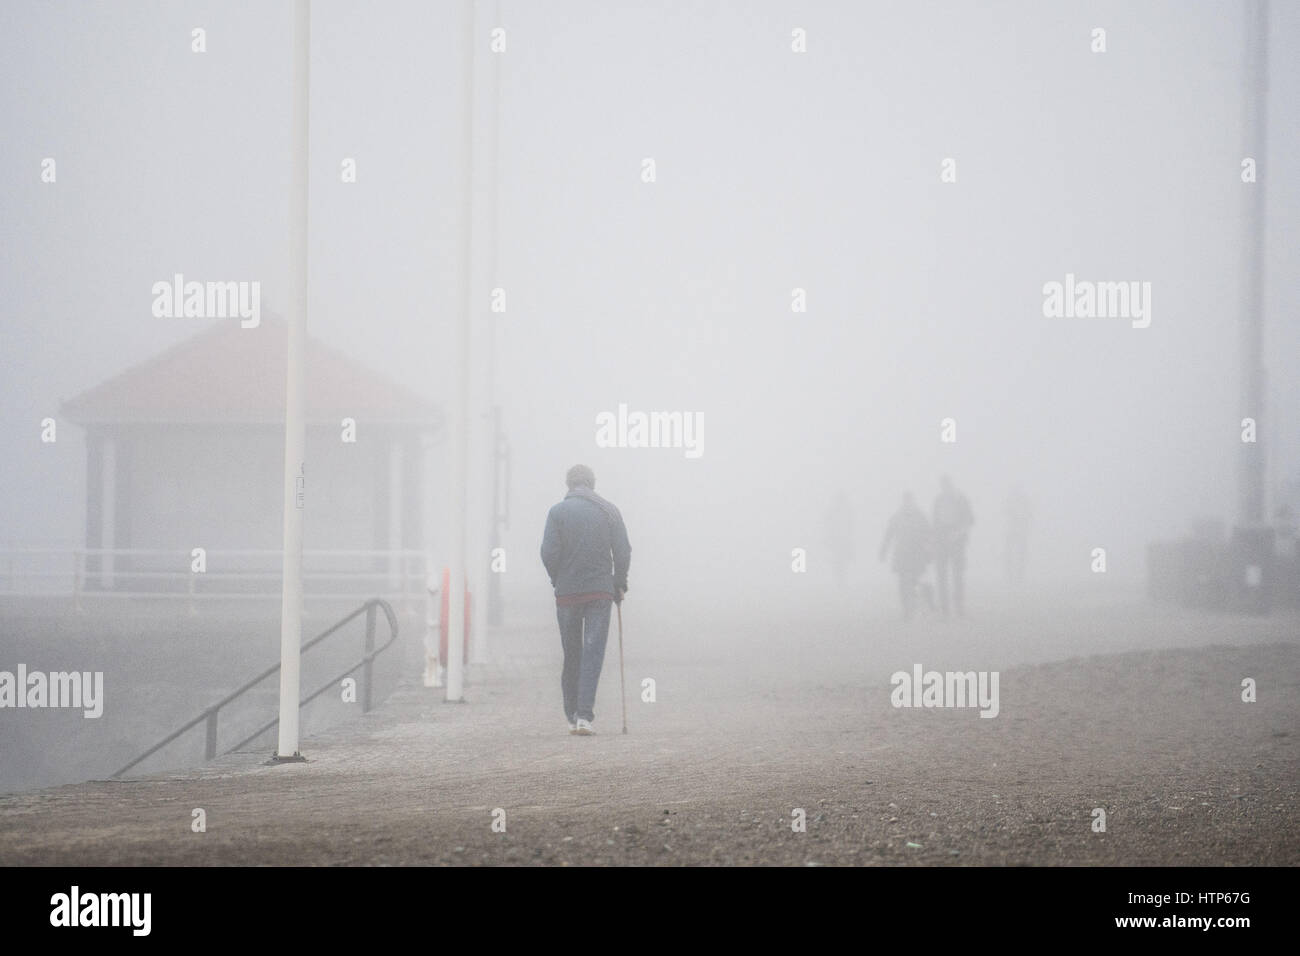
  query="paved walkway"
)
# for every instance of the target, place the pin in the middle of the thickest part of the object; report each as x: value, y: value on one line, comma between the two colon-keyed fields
x: 737, y: 741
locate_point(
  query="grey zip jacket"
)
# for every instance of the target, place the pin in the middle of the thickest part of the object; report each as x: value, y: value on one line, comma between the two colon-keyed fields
x: 585, y: 547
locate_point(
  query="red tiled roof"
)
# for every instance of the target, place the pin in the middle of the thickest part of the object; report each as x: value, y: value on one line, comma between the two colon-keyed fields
x: 232, y: 375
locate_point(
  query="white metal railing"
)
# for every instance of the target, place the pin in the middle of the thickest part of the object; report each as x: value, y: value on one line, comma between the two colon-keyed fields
x: 230, y: 574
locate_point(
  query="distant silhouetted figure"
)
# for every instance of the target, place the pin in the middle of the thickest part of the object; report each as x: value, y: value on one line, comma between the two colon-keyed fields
x: 909, y: 534
x: 952, y: 524
x: 838, y: 533
x: 1286, y: 540
x: 1019, y: 520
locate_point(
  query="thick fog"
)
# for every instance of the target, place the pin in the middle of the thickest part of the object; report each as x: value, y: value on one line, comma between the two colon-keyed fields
x: 770, y: 270
x: 824, y: 171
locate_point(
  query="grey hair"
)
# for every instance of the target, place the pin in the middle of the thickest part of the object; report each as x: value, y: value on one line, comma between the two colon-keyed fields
x: 580, y: 475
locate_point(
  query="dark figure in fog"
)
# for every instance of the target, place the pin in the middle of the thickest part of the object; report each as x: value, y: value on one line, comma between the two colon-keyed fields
x: 1019, y: 520
x: 1286, y: 535
x: 909, y: 535
x: 586, y: 553
x: 838, y: 533
x: 952, y: 524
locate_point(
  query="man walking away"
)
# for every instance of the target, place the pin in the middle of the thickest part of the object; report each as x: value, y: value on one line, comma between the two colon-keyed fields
x: 909, y: 534
x: 586, y: 553
x: 952, y: 524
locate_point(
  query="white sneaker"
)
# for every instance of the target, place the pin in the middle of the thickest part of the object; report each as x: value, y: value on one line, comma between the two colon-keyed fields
x: 573, y: 728
x: 583, y: 728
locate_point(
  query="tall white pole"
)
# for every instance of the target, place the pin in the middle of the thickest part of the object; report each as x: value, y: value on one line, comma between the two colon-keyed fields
x: 1251, y: 468
x: 492, y: 596
x: 461, y: 420
x: 295, y: 429
x: 482, y: 501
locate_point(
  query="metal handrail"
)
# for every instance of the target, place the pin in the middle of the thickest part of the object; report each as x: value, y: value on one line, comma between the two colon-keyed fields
x: 367, y: 662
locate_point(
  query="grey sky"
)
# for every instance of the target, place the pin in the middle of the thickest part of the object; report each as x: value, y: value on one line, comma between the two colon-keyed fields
x: 775, y: 170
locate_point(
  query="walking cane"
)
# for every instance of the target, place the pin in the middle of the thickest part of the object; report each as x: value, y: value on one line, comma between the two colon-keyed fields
x: 622, y: 680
